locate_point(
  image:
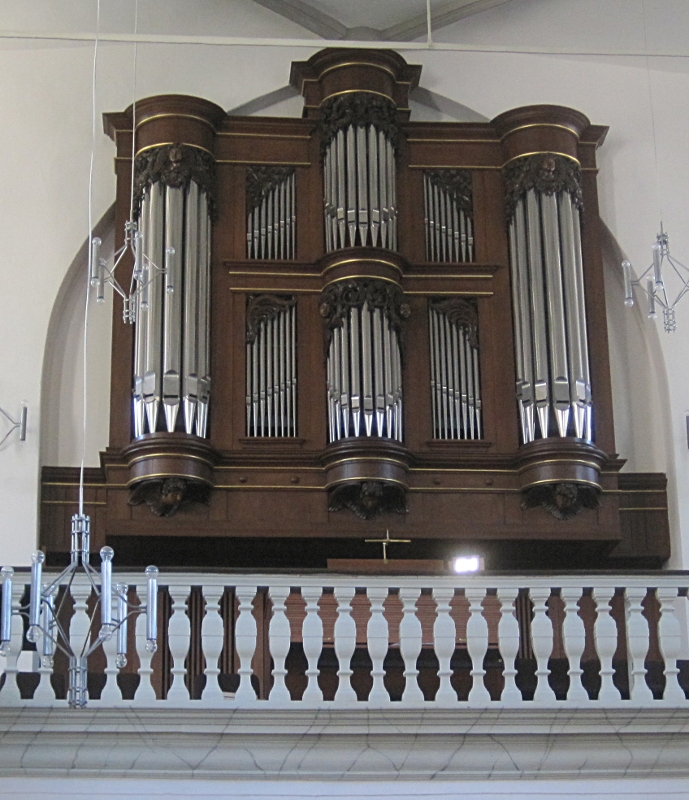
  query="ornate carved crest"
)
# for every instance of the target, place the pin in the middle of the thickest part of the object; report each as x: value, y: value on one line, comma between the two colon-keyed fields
x: 358, y: 108
x: 338, y: 298
x: 175, y: 165
x: 456, y: 183
x: 261, y: 180
x: 546, y: 172
x: 368, y: 499
x: 562, y: 500
x: 460, y: 312
x: 166, y: 496
x: 263, y: 307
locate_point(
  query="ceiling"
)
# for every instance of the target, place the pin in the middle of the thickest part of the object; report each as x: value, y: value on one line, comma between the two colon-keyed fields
x: 363, y: 20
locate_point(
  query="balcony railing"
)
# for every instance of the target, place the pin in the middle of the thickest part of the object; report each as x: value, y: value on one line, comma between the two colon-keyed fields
x: 298, y: 641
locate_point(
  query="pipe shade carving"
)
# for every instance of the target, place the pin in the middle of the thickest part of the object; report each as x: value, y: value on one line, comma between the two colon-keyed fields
x: 553, y: 376
x: 271, y: 218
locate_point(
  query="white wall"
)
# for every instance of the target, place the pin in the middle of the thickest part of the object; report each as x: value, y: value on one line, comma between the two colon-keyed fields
x: 46, y: 140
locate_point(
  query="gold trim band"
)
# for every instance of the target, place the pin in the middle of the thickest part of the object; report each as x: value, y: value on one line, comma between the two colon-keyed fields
x: 190, y: 456
x: 351, y: 277
x: 540, y: 125
x: 350, y: 64
x: 386, y: 459
x: 168, y: 144
x: 263, y: 135
x: 359, y: 91
x: 541, y: 153
x: 364, y: 478
x: 534, y: 464
x: 373, y: 260
x: 181, y: 116
x: 168, y: 475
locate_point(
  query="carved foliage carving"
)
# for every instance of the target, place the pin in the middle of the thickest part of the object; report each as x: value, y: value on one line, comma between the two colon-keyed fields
x: 368, y: 499
x: 175, y: 165
x: 548, y: 173
x: 460, y: 312
x: 261, y: 180
x: 338, y: 298
x: 456, y: 183
x: 166, y: 496
x: 263, y: 307
x: 362, y: 109
x: 562, y: 500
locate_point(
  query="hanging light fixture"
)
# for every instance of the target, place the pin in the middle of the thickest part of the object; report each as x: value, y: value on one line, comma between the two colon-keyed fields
x: 44, y: 617
x: 652, y: 281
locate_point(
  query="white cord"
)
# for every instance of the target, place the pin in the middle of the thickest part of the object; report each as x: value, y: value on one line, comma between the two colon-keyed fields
x: 136, y: 54
x: 429, y: 40
x: 90, y: 256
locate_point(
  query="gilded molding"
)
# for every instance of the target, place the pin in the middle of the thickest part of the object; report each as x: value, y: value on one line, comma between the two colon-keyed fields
x: 548, y: 173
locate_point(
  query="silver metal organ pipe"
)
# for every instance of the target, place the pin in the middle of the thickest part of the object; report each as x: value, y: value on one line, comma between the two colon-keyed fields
x: 556, y: 312
x: 388, y: 388
x: 374, y: 183
x: 379, y: 384
x: 391, y: 172
x: 190, y: 382
x: 384, y: 195
x: 153, y: 319
x: 204, y: 308
x: 140, y: 340
x: 362, y: 181
x: 581, y: 316
x: 434, y: 378
x: 172, y: 317
x: 351, y: 184
x: 341, y: 188
x: 344, y: 376
x: 356, y: 374
x: 366, y: 361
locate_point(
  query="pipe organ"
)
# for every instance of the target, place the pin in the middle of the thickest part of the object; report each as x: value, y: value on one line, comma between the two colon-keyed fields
x: 405, y: 324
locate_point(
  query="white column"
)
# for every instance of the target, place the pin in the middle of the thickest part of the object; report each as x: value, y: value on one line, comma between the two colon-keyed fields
x: 212, y: 639
x: 279, y: 640
x: 312, y: 637
x: 345, y: 644
x: 145, y: 693
x: 377, y: 636
x: 444, y: 640
x: 605, y: 633
x: 508, y: 642
x: 637, y: 646
x: 574, y: 636
x: 245, y: 642
x: 179, y: 631
x: 542, y: 643
x: 477, y: 646
x: 410, y: 646
x: 669, y: 639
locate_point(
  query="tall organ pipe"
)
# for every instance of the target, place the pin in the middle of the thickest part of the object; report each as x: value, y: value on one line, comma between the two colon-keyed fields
x: 171, y: 357
x: 551, y: 348
x: 360, y: 189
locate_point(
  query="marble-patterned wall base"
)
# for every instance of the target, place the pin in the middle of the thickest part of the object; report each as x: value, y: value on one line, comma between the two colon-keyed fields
x: 143, y: 789
x: 344, y: 745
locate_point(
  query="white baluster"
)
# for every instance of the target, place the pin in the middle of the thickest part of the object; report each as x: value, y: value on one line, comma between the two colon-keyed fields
x: 377, y: 637
x: 542, y: 643
x: 80, y: 623
x: 212, y: 636
x: 574, y: 636
x: 44, y: 694
x: 444, y: 639
x: 10, y: 694
x: 179, y: 631
x: 312, y: 637
x: 245, y: 642
x: 145, y: 693
x: 637, y: 646
x: 670, y: 642
x: 279, y: 640
x: 345, y: 645
x: 605, y: 633
x: 410, y: 645
x: 111, y: 693
x: 477, y: 645
x: 508, y: 642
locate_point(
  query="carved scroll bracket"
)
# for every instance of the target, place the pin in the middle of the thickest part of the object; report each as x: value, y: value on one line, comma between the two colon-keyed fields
x: 456, y: 183
x: 166, y: 496
x: 548, y: 173
x: 261, y: 180
x: 562, y: 500
x: 361, y: 109
x: 262, y: 308
x: 174, y: 165
x: 338, y: 298
x: 460, y: 312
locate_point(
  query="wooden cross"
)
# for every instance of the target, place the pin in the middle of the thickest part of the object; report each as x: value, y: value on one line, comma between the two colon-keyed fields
x: 385, y: 542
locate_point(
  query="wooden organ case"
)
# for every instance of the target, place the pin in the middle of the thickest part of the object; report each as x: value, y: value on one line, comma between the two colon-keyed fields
x: 333, y: 317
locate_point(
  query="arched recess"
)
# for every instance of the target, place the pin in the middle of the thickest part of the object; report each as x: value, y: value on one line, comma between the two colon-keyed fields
x: 62, y: 382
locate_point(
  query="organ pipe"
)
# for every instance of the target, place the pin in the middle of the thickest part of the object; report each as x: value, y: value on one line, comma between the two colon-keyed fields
x: 551, y: 348
x: 448, y: 214
x: 271, y: 220
x: 171, y: 353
